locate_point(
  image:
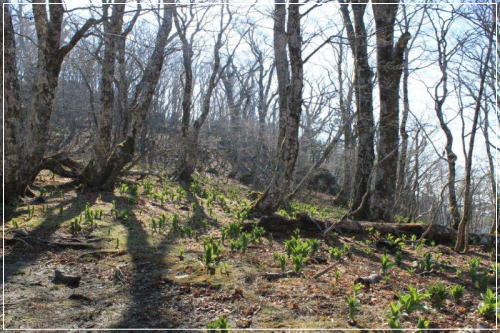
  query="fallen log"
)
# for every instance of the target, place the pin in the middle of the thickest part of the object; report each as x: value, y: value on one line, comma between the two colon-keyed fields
x: 282, y: 225
x: 278, y: 224
x: 438, y: 233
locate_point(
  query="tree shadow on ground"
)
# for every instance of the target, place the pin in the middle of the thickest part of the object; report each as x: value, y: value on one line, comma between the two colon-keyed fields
x: 147, y: 275
x: 199, y: 220
x: 19, y: 257
x: 147, y: 307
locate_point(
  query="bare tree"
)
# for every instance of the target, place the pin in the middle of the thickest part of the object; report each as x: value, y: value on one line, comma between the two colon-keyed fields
x: 94, y: 170
x: 33, y: 121
x: 403, y: 131
x: 290, y: 103
x: 389, y: 70
x: 123, y: 152
x: 190, y: 137
x: 441, y: 92
x: 363, y: 87
x: 482, y: 12
x: 345, y: 100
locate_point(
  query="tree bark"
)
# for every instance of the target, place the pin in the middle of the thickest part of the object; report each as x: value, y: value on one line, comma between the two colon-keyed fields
x: 363, y: 85
x: 103, y: 140
x: 13, y: 107
x: 33, y: 121
x: 389, y: 68
x: 462, y: 239
x: 290, y: 104
x: 122, y: 153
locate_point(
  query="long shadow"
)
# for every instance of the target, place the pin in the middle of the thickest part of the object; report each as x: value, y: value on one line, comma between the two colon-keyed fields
x: 146, y: 297
x: 199, y: 215
x: 21, y: 257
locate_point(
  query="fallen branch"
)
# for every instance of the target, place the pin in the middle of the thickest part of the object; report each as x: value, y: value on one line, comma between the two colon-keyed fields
x: 270, y: 276
x: 324, y: 271
x: 105, y: 251
x: 21, y: 240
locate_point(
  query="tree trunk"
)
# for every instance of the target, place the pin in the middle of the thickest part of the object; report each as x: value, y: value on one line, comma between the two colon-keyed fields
x: 342, y: 198
x: 290, y: 104
x: 363, y: 85
x: 280, y: 41
x: 234, y: 118
x: 401, y: 179
x: 95, y: 169
x: 389, y: 68
x: 33, y: 122
x: 12, y: 113
x: 122, y: 153
x: 462, y: 239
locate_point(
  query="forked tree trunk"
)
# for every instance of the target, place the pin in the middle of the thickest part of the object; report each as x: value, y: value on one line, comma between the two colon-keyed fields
x: 95, y: 169
x: 389, y: 68
x: 33, y: 121
x: 122, y: 153
x: 190, y: 136
x: 363, y: 86
x: 290, y: 100
x: 440, y: 96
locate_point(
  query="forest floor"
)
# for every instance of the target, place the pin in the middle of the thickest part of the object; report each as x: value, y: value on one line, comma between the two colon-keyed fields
x: 136, y: 273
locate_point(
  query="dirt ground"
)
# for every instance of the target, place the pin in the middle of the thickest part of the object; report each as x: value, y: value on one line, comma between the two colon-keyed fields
x: 133, y: 276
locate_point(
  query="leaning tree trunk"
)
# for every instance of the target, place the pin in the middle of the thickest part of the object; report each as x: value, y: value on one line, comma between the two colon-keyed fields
x: 389, y: 67
x: 290, y: 100
x: 363, y: 85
